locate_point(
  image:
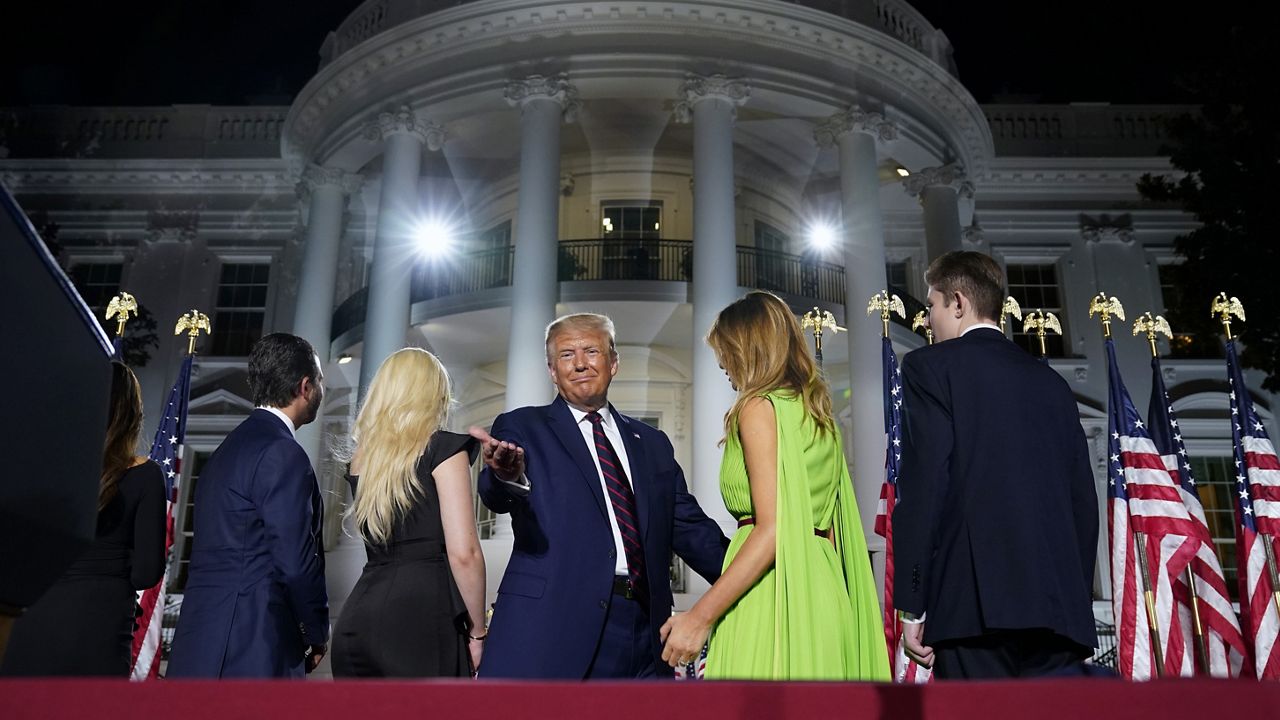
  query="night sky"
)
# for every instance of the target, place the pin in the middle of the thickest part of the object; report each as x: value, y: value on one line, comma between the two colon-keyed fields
x: 149, y: 52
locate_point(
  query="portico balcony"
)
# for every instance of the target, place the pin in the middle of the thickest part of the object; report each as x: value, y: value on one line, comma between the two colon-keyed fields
x: 803, y: 280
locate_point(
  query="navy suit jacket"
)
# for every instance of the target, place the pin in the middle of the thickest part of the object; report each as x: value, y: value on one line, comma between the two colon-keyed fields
x: 255, y: 595
x: 550, y: 611
x: 996, y: 525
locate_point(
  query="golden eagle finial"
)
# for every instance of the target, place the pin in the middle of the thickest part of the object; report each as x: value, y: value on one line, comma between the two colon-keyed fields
x: 1010, y: 307
x: 819, y: 321
x: 918, y: 322
x: 885, y: 303
x: 1152, y: 325
x: 1224, y: 308
x: 1105, y: 307
x: 193, y: 322
x: 1041, y: 322
x: 122, y: 307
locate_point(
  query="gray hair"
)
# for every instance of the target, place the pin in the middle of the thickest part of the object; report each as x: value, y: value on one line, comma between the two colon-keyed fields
x: 582, y: 322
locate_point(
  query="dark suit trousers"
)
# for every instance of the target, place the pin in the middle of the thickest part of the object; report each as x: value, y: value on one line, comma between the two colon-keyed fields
x: 1007, y: 654
x: 626, y: 645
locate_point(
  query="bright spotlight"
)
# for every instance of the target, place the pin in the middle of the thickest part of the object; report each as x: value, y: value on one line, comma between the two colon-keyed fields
x: 822, y: 237
x: 434, y: 239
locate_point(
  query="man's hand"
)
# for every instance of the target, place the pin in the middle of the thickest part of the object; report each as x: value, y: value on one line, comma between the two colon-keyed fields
x: 505, y: 459
x: 912, y: 633
x: 316, y: 653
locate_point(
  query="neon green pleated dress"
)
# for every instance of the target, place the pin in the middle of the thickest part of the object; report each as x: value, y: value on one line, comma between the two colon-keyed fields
x: 814, y: 615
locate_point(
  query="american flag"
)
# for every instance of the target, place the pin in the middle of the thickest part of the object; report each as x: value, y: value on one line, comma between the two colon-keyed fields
x: 1144, y: 500
x: 1224, y: 646
x: 904, y: 669
x: 166, y: 451
x: 1257, y: 523
x: 117, y: 348
x: 694, y: 669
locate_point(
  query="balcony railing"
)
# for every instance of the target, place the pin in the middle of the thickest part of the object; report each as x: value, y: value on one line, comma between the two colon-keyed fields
x: 797, y: 276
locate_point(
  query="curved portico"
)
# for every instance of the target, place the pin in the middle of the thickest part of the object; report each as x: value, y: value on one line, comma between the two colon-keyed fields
x: 725, y: 130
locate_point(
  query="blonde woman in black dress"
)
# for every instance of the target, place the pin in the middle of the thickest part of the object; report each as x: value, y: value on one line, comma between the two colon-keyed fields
x: 83, y: 624
x: 418, y: 608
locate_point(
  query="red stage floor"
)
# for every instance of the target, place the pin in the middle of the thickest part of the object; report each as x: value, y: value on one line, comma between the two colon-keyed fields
x: 1037, y: 700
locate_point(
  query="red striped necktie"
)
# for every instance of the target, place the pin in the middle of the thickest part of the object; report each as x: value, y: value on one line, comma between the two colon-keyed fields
x: 623, y: 500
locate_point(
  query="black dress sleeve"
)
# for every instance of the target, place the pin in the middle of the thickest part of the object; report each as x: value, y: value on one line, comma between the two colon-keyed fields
x: 444, y: 445
x: 148, y: 525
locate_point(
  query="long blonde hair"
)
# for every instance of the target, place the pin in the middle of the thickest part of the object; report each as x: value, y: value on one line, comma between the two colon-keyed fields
x: 407, y: 402
x: 759, y: 342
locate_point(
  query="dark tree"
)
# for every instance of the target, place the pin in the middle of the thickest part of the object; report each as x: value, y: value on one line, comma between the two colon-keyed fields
x: 1228, y: 155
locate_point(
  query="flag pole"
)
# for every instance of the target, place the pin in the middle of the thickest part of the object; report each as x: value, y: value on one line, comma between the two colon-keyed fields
x: 1151, y: 325
x: 1105, y: 307
x: 1224, y: 308
x: 884, y: 303
x: 817, y: 321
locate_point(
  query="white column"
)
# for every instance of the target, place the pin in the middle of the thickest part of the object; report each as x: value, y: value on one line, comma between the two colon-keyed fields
x: 939, y: 190
x: 544, y: 102
x: 857, y: 132
x: 328, y: 189
x: 403, y: 134
x: 711, y: 104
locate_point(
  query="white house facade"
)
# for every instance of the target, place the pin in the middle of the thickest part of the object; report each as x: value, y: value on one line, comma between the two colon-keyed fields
x: 457, y: 174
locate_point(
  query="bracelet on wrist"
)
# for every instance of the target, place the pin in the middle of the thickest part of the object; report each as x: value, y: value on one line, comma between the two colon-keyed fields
x: 480, y: 638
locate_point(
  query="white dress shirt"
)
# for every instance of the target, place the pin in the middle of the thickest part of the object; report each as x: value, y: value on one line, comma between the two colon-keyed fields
x: 993, y: 326
x: 610, y: 426
x: 285, y: 418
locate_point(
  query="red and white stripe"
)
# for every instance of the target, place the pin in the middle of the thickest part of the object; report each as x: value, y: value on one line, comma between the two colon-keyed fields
x: 1257, y: 598
x: 146, y: 642
x: 1264, y: 483
x: 1224, y: 643
x: 905, y: 670
x: 1157, y: 510
x: 1133, y: 643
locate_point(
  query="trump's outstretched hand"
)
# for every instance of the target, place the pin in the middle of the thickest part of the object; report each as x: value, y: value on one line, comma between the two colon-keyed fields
x: 505, y: 459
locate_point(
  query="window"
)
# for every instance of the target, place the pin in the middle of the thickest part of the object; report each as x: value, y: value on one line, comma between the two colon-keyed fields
x: 896, y: 275
x: 1182, y: 344
x: 1216, y: 483
x: 184, y: 528
x: 493, y: 248
x: 1170, y: 292
x: 771, y: 238
x: 772, y: 264
x: 631, y: 220
x: 1035, y: 287
x: 631, y: 229
x: 240, y: 308
x: 97, y: 284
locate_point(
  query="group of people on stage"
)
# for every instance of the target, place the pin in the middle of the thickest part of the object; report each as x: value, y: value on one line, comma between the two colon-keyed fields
x: 995, y: 529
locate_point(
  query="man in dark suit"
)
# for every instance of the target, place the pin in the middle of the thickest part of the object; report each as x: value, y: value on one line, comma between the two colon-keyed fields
x: 255, y: 603
x: 995, y: 532
x: 598, y: 504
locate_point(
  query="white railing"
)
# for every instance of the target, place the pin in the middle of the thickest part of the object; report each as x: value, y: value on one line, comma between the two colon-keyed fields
x: 896, y: 18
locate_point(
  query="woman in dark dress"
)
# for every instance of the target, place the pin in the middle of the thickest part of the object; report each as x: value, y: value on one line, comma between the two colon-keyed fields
x: 83, y: 624
x: 417, y: 610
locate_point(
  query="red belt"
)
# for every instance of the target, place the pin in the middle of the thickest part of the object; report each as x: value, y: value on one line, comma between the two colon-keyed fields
x: 748, y: 520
